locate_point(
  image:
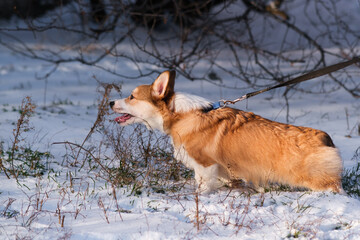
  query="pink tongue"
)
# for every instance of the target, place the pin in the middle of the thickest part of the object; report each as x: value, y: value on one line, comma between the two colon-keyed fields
x: 123, y: 118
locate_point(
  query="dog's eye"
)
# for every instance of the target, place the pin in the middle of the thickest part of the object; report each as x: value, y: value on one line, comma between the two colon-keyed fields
x: 131, y: 97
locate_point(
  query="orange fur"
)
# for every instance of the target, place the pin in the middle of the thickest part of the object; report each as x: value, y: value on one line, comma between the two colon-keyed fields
x: 234, y: 144
x: 257, y: 149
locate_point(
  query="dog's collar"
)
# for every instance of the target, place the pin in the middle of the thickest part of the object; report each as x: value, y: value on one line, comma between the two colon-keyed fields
x: 214, y: 106
x: 217, y: 105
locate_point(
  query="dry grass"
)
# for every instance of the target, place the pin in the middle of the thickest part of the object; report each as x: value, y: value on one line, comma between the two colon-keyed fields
x: 131, y: 157
x: 142, y: 162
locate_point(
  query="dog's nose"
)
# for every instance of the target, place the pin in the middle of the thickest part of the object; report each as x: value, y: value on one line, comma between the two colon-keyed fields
x: 112, y: 103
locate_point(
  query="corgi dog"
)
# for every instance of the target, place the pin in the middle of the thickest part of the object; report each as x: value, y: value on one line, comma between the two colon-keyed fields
x: 226, y: 144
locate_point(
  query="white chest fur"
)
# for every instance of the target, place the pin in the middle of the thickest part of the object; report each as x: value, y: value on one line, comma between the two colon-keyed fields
x: 181, y: 155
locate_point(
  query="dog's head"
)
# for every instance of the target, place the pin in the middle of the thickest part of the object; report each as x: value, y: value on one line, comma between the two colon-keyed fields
x: 147, y: 103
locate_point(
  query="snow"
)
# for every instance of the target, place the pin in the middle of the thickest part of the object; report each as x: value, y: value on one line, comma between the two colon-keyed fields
x: 224, y: 214
x: 35, y: 207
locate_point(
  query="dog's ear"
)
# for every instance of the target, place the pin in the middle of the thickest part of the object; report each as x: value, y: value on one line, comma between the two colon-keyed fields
x: 163, y: 85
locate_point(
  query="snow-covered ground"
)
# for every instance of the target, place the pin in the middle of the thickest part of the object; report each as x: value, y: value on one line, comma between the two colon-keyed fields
x: 55, y: 206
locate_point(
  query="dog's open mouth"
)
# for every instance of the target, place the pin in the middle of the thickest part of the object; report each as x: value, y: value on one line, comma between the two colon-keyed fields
x: 123, y: 118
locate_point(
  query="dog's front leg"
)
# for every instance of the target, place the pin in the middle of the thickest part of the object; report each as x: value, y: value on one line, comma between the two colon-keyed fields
x: 208, y: 178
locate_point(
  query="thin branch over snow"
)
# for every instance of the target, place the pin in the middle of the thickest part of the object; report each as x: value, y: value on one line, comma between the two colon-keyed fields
x: 259, y: 42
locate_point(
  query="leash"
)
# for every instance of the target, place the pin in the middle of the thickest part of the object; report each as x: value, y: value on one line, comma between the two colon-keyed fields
x: 308, y: 76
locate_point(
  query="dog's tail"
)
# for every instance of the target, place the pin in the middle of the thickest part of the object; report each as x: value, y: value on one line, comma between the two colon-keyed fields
x: 323, y: 169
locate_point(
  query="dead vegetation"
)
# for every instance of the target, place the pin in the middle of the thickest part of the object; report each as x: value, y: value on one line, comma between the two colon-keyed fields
x: 132, y: 162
